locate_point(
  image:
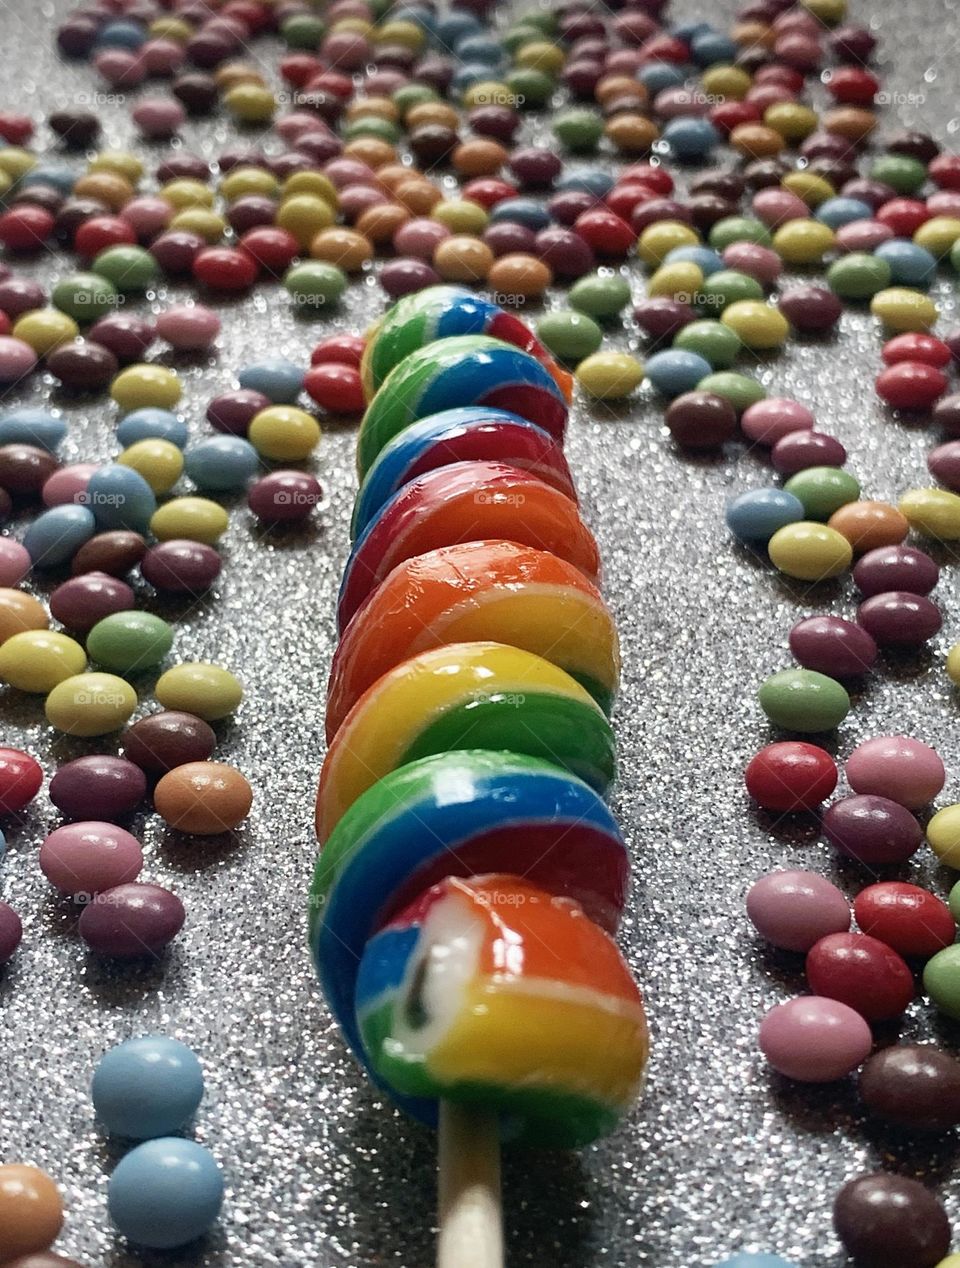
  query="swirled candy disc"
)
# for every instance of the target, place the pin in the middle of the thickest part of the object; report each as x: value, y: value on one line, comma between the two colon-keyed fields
x: 441, y: 312
x: 465, y: 370
x: 493, y: 993
x: 457, y: 814
x: 481, y: 695
x: 495, y: 591
x: 471, y: 434
x: 469, y: 501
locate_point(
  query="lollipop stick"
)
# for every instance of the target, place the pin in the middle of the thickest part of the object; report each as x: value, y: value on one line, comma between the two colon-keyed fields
x: 471, y: 1223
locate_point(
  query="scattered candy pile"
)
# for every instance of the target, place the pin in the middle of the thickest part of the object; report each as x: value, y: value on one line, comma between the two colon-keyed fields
x: 468, y: 611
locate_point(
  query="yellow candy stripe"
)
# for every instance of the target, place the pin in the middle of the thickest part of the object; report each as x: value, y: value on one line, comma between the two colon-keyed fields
x: 580, y: 1042
x: 384, y: 722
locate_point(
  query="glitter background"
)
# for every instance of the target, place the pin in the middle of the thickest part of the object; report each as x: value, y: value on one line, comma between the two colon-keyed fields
x: 720, y: 1156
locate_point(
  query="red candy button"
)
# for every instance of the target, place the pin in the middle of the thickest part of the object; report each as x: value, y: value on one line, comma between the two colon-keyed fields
x: 225, y: 269
x: 861, y: 972
x: 20, y: 779
x: 791, y: 775
x: 347, y: 349
x: 916, y: 346
x: 911, y: 385
x: 336, y: 387
x: 25, y: 228
x: 853, y: 86
x: 100, y: 232
x: 910, y: 919
x: 605, y: 232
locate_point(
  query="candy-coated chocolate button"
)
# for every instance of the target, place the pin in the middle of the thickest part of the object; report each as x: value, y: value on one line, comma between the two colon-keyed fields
x: 208, y: 691
x: 810, y: 552
x: 203, y: 798
x: 90, y: 704
x: 31, y: 1212
x: 37, y: 660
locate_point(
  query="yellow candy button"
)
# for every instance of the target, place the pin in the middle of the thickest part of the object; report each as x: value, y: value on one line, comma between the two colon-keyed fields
x: 901, y: 309
x: 933, y: 512
x: 158, y: 461
x: 90, y: 704
x: 208, y: 691
x: 609, y: 376
x: 37, y: 660
x: 953, y: 663
x: 680, y: 280
x: 660, y: 238
x: 803, y: 241
x: 45, y: 329
x: 142, y: 385
x: 284, y: 433
x: 809, y: 551
x: 759, y: 325
x: 943, y: 833
x: 196, y: 519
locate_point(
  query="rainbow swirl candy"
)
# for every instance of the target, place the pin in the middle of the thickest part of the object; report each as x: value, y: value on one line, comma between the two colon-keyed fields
x: 469, y: 501
x: 441, y: 312
x: 495, y: 591
x: 491, y: 992
x: 456, y: 814
x: 464, y: 370
x: 471, y: 434
x: 477, y: 695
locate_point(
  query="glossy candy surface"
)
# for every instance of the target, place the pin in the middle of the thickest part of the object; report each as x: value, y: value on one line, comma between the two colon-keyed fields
x: 165, y: 1193
x: 147, y: 1087
x: 460, y: 435
x: 440, y: 312
x: 467, y: 501
x: 555, y: 1044
x: 474, y: 812
x: 474, y: 591
x: 464, y: 370
x: 483, y: 695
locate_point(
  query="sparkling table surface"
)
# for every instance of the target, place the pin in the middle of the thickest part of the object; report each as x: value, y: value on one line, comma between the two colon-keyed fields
x: 720, y: 1156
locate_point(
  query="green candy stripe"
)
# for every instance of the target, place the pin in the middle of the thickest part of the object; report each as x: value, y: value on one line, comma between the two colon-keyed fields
x: 397, y: 340
x: 400, y: 788
x: 567, y: 732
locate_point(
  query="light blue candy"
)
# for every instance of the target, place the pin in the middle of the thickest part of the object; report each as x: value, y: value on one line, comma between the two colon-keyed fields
x: 910, y: 265
x: 278, y: 379
x: 758, y: 1259
x: 711, y: 47
x: 688, y: 31
x: 690, y: 138
x: 659, y: 75
x: 523, y: 211
x: 221, y: 463
x: 120, y: 498
x: 706, y: 260
x: 147, y: 1087
x: 56, y: 535
x: 58, y: 175
x: 121, y: 35
x: 454, y: 26
x: 756, y: 515
x: 165, y: 1193
x: 837, y: 212
x: 151, y: 423
x: 32, y: 425
x: 676, y: 371
x: 467, y: 75
x: 479, y: 48
x: 586, y: 180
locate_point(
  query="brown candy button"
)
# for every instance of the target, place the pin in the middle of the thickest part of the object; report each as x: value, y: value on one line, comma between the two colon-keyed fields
x: 916, y: 1086
x: 31, y: 1213
x: 889, y: 1221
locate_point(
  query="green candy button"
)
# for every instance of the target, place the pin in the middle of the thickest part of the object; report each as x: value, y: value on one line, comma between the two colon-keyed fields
x: 803, y: 700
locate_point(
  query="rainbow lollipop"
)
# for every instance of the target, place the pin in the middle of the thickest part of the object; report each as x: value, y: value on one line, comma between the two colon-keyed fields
x: 441, y: 312
x: 480, y: 590
x: 469, y: 501
x: 471, y: 434
x: 456, y: 814
x: 465, y: 370
x: 493, y: 993
x: 477, y: 695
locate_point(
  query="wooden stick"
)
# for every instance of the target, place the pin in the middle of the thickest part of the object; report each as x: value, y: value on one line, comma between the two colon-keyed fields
x: 471, y: 1220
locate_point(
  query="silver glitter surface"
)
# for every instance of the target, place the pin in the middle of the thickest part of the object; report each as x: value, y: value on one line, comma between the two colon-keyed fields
x: 721, y: 1156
